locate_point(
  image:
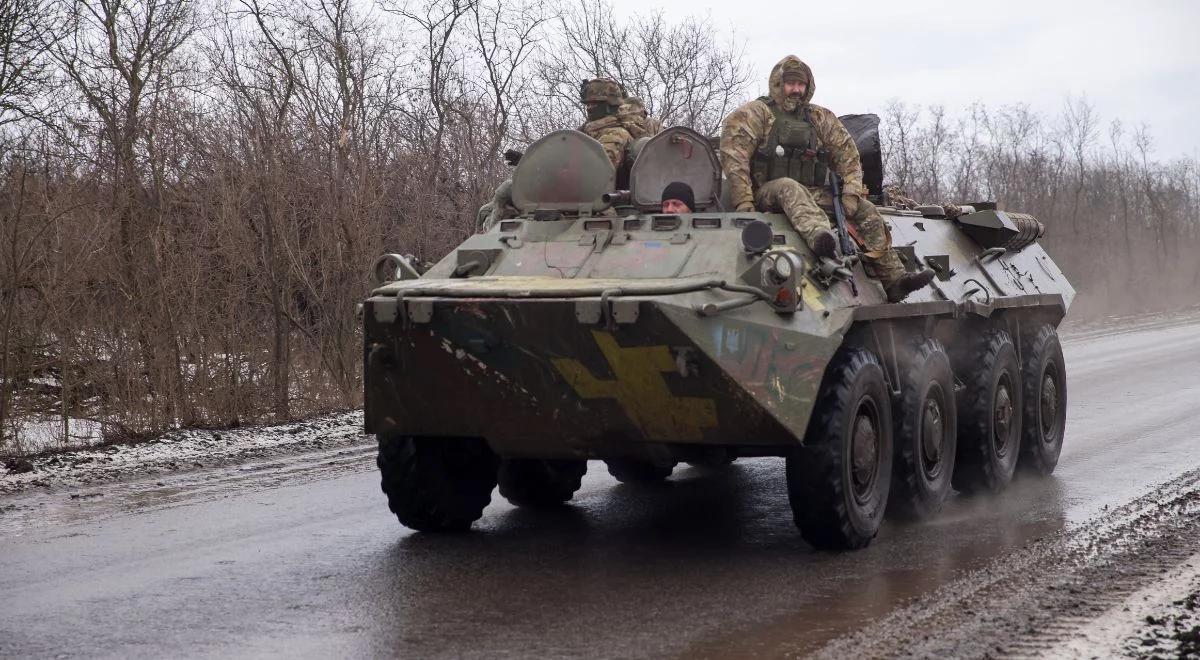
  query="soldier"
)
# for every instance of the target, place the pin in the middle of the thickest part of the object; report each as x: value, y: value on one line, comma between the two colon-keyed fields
x: 776, y: 152
x: 614, y: 120
x: 678, y: 197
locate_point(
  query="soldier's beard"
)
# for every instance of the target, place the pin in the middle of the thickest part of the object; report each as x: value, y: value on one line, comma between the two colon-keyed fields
x: 790, y: 103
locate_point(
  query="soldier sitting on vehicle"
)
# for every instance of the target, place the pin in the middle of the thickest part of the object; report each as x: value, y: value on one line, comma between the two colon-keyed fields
x: 678, y: 197
x: 614, y: 119
x: 777, y: 151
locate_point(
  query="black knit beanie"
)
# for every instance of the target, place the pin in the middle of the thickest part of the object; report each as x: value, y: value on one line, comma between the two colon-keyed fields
x: 680, y: 191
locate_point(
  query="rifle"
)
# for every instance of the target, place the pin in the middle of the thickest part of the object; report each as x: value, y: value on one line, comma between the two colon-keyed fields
x: 843, y: 231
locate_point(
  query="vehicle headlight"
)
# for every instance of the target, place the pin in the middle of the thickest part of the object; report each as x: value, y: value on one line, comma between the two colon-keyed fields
x: 783, y: 267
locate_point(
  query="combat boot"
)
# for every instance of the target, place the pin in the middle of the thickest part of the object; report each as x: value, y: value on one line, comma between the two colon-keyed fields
x: 908, y: 283
x: 824, y: 244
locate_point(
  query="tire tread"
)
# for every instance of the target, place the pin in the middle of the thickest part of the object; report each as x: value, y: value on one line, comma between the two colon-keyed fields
x: 909, y: 498
x: 436, y: 484
x: 540, y: 483
x: 814, y: 472
x: 1035, y: 458
x: 973, y: 472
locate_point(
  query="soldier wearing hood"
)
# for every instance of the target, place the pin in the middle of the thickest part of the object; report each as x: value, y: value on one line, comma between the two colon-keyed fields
x: 776, y: 152
x: 614, y: 120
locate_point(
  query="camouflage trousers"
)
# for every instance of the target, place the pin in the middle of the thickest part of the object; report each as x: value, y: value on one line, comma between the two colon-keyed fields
x: 803, y: 207
x: 498, y: 209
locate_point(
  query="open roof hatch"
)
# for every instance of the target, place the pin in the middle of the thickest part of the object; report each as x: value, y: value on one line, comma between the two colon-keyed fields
x: 563, y: 171
x: 676, y: 154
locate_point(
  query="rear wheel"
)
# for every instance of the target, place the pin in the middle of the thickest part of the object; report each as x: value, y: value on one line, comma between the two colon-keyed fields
x: 989, y: 415
x: 711, y: 458
x: 436, y: 484
x: 1045, y: 406
x: 926, y: 433
x: 632, y: 471
x: 540, y: 483
x: 838, y: 480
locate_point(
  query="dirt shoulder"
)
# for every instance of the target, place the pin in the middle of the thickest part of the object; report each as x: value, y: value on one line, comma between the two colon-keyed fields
x: 183, y: 450
x: 177, y: 451
x: 1125, y: 584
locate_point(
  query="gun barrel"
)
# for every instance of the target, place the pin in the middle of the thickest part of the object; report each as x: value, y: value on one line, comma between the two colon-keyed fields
x: 617, y: 197
x: 839, y: 212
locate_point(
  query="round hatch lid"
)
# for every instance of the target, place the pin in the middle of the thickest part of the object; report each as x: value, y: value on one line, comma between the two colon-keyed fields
x: 676, y: 154
x: 564, y: 171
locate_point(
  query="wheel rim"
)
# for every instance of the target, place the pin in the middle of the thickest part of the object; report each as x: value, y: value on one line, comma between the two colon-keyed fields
x: 1003, y: 417
x: 1049, y: 403
x: 864, y: 451
x: 933, y: 430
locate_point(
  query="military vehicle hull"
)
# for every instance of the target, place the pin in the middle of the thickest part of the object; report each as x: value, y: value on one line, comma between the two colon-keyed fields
x: 610, y: 391
x: 642, y: 339
x: 645, y: 366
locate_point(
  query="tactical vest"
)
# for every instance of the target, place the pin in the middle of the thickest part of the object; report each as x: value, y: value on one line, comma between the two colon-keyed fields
x: 791, y: 150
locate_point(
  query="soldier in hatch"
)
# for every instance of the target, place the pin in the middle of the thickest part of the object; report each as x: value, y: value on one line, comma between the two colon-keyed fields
x: 776, y: 151
x: 614, y: 120
x: 678, y: 197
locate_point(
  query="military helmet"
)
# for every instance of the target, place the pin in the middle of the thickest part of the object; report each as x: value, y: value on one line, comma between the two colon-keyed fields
x: 601, y: 90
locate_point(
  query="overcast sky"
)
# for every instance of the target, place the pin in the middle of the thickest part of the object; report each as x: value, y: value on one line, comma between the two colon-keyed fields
x: 1138, y: 60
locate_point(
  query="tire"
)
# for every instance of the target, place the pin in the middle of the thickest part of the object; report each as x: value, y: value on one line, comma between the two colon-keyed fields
x: 926, y: 433
x: 712, y: 460
x: 436, y: 484
x: 989, y: 417
x: 1044, y: 420
x: 631, y: 471
x: 712, y: 466
x: 836, y: 504
x: 539, y: 483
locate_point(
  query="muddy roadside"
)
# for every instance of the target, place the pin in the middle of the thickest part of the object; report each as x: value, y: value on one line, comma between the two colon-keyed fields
x: 1124, y: 584
x: 187, y: 450
x: 180, y: 451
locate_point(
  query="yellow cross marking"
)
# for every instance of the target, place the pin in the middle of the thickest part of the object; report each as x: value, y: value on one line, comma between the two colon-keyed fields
x: 811, y: 296
x: 641, y: 390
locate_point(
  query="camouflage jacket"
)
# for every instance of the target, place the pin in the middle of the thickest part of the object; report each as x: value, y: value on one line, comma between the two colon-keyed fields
x: 748, y: 126
x: 615, y: 132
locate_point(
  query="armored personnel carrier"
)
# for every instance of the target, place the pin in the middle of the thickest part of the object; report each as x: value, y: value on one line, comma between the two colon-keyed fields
x: 588, y: 325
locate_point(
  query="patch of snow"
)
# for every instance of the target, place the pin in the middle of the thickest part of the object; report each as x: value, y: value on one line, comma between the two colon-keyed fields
x: 182, y: 450
x: 41, y: 434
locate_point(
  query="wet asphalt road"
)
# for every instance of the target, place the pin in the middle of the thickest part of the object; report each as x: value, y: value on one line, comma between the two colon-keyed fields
x: 303, y: 558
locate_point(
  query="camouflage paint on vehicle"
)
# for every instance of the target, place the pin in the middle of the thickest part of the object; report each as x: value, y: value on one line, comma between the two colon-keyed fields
x: 580, y: 330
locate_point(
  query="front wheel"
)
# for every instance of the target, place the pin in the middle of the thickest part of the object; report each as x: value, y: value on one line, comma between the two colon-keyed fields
x: 436, y: 484
x: 838, y: 481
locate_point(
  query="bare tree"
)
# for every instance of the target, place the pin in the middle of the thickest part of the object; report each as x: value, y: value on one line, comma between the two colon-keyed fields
x: 120, y: 58
x: 29, y: 29
x: 183, y: 239
x: 505, y: 38
x: 682, y: 74
x: 263, y: 91
x: 1079, y: 132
